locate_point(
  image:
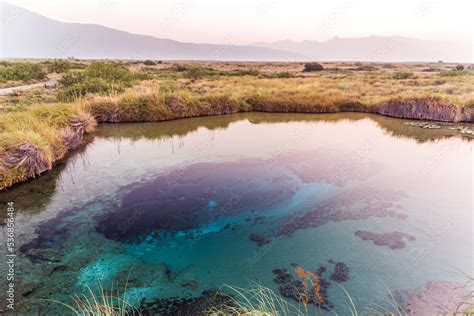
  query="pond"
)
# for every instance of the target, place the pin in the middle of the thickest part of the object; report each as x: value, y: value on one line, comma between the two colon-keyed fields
x: 177, y: 209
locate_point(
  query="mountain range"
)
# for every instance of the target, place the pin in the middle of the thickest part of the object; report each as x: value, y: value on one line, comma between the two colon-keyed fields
x: 376, y: 48
x: 26, y: 34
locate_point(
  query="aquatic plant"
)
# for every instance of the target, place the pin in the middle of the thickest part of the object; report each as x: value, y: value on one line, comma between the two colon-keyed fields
x: 311, y: 285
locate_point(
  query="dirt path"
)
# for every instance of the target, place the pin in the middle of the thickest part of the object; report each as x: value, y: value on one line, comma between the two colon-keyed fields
x: 28, y: 86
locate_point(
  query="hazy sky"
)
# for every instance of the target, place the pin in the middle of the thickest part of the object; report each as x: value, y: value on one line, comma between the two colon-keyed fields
x: 246, y: 21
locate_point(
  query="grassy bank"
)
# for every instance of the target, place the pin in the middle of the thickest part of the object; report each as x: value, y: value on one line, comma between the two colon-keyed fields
x: 32, y: 141
x: 35, y: 136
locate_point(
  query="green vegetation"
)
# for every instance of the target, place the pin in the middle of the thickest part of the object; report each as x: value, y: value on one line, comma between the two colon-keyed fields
x: 282, y: 74
x: 195, y: 72
x: 149, y: 62
x: 21, y: 72
x: 310, y: 67
x: 98, y: 77
x: 400, y: 75
x: 456, y: 73
x: 59, y: 66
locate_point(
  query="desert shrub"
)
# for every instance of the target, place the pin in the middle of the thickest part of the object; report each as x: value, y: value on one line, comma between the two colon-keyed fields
x: 455, y: 73
x: 179, y: 67
x: 246, y: 72
x: 400, y: 75
x: 109, y: 71
x: 76, y: 84
x: 460, y: 67
x: 98, y: 77
x: 59, y: 66
x: 309, y: 67
x: 364, y: 68
x: 196, y: 72
x: 149, y: 62
x: 282, y: 74
x: 21, y: 72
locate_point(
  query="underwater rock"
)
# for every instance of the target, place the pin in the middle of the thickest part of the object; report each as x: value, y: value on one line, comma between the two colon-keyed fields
x: 435, y: 298
x: 290, y: 287
x: 356, y: 204
x: 190, y: 284
x: 49, y: 255
x: 193, y: 197
x: 259, y: 239
x: 340, y: 273
x: 393, y: 240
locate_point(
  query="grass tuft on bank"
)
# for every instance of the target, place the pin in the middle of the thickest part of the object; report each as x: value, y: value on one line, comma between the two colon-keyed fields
x: 32, y: 141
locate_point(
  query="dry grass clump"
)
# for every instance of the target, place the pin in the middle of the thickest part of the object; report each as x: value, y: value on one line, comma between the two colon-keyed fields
x: 255, y: 301
x: 154, y: 105
x: 31, y: 141
x: 466, y: 306
x: 111, y: 302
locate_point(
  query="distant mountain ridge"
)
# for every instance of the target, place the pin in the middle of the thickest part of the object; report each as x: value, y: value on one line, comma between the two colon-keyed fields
x: 376, y: 48
x: 25, y: 34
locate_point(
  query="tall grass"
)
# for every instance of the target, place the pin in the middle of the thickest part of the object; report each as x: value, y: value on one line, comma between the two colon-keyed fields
x: 256, y: 300
x: 32, y: 141
x: 104, y: 303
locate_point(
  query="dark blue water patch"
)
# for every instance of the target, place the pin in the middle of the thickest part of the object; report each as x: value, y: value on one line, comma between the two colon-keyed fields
x: 196, y: 196
x: 52, y: 233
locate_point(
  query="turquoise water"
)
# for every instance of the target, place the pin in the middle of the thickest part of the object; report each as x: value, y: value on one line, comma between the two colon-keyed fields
x: 178, y: 208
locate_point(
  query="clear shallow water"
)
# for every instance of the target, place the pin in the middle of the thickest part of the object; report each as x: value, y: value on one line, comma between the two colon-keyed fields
x: 181, y: 207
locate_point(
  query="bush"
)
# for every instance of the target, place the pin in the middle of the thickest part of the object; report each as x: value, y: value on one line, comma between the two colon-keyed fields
x: 455, y: 73
x: 282, y: 74
x: 246, y: 72
x: 310, y: 67
x: 460, y: 67
x: 402, y: 75
x: 149, y: 62
x: 113, y: 73
x: 59, y: 66
x: 196, y: 72
x: 22, y: 72
x: 98, y: 77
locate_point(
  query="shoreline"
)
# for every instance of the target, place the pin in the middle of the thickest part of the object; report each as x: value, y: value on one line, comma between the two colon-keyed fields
x: 28, y: 158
